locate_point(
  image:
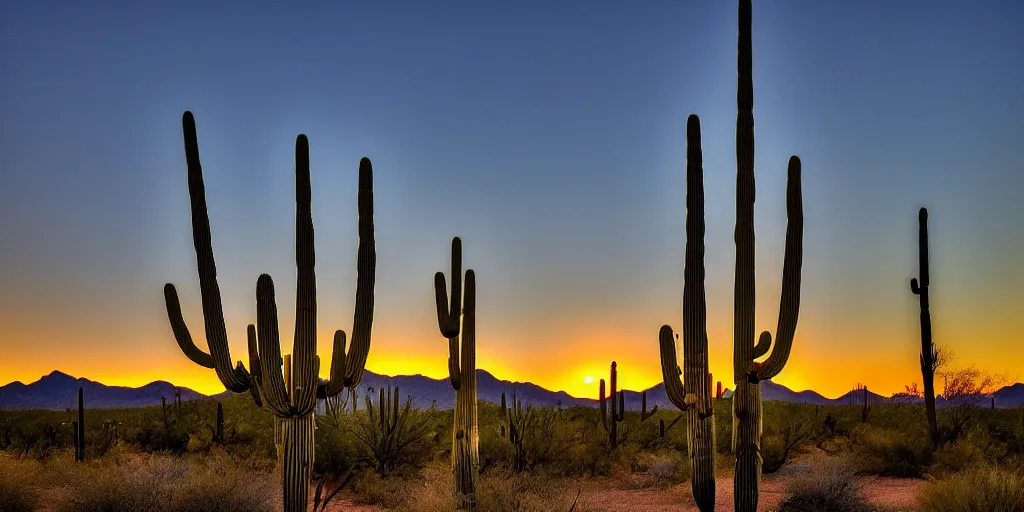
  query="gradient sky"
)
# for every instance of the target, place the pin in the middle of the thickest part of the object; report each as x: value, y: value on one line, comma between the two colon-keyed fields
x: 550, y: 137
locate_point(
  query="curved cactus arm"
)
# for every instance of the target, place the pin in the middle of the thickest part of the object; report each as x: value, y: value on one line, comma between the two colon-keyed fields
x: 254, y: 364
x: 448, y: 314
x: 359, y: 349
x: 670, y: 372
x: 275, y: 394
x: 789, y: 309
x: 336, y: 384
x: 180, y: 328
x: 235, y: 379
x: 764, y: 344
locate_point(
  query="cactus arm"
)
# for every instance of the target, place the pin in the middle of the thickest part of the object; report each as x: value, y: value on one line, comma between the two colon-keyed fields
x: 359, y: 349
x: 254, y: 364
x: 764, y: 344
x: 275, y: 393
x: 336, y: 384
x: 448, y: 315
x: 234, y: 379
x: 917, y: 286
x: 789, y: 309
x: 180, y: 328
x: 670, y: 371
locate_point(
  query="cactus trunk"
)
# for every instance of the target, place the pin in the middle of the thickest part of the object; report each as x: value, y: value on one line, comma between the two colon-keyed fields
x: 80, y: 429
x: 747, y: 372
x: 297, y: 456
x: 919, y: 287
x: 462, y: 374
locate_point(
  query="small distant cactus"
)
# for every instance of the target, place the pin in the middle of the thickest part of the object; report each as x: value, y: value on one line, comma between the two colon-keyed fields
x: 465, y: 432
x: 292, y: 403
x: 518, y: 420
x: 614, y: 409
x: 80, y: 428
x: 218, y: 435
x: 643, y: 407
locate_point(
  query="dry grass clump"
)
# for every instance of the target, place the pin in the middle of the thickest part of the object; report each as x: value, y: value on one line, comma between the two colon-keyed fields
x: 979, y: 489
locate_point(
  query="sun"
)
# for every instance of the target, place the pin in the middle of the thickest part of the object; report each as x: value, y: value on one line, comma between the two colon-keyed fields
x: 588, y: 380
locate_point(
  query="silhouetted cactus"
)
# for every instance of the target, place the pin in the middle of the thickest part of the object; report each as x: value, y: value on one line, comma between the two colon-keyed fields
x: 80, y: 429
x: 218, y: 436
x: 865, y: 406
x: 919, y: 287
x: 388, y: 431
x: 292, y: 403
x: 613, y: 410
x: 465, y: 433
x: 643, y: 407
x: 693, y: 394
x: 518, y: 420
x: 748, y: 374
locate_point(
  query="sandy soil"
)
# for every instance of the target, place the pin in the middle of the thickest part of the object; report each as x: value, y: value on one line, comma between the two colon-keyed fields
x: 617, y: 496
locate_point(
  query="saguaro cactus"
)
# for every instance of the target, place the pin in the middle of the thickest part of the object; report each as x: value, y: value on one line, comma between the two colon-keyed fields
x: 919, y: 287
x: 614, y: 410
x: 693, y: 394
x: 465, y: 434
x: 80, y: 429
x: 219, y: 431
x: 644, y: 414
x: 747, y: 373
x: 293, y: 403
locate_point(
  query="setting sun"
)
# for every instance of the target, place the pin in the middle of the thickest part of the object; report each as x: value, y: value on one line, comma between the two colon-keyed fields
x: 588, y: 379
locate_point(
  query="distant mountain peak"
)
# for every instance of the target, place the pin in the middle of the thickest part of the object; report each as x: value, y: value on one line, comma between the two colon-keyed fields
x: 57, y: 375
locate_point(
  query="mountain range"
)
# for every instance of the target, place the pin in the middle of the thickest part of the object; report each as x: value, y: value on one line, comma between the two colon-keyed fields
x: 59, y: 390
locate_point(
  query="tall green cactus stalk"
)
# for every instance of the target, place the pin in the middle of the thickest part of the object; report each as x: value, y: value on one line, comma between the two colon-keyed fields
x: 465, y: 433
x: 919, y: 287
x: 80, y: 428
x: 643, y: 407
x: 747, y: 373
x: 615, y: 410
x: 293, y: 403
x: 693, y: 394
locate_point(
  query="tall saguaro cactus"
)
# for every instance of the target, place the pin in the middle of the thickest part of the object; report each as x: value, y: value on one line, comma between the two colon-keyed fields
x: 292, y: 403
x: 80, y: 429
x: 465, y: 434
x: 748, y: 374
x: 693, y: 393
x: 919, y: 287
x: 614, y: 409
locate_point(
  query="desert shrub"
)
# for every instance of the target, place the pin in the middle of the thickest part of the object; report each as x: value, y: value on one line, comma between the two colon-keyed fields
x: 987, y: 489
x: 19, y: 491
x: 166, y: 484
x: 495, y: 451
x: 399, y: 438
x: 956, y: 457
x: 663, y: 468
x: 830, y: 490
x: 523, y: 492
x: 787, y: 433
x: 890, y: 453
x: 338, y: 459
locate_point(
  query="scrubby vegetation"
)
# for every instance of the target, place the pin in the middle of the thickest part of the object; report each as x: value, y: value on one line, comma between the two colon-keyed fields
x: 155, y: 465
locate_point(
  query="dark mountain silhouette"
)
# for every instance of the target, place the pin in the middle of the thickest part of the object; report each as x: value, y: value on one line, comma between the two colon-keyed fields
x: 59, y: 391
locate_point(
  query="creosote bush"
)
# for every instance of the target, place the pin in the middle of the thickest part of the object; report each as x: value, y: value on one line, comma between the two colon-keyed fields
x: 982, y: 489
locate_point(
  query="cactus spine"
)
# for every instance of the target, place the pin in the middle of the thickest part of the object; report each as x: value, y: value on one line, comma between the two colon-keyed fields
x: 293, y: 403
x: 919, y: 287
x: 747, y: 373
x: 693, y: 394
x: 614, y: 410
x: 465, y: 434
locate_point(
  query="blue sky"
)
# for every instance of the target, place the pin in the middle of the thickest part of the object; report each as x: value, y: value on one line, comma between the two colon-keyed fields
x: 549, y: 136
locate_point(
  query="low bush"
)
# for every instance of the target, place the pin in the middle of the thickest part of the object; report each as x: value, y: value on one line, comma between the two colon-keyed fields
x: 981, y: 489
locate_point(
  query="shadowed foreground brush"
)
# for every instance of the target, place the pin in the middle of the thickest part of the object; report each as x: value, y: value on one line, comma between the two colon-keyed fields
x: 830, y: 490
x: 988, y: 489
x: 18, y: 492
x: 165, y: 484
